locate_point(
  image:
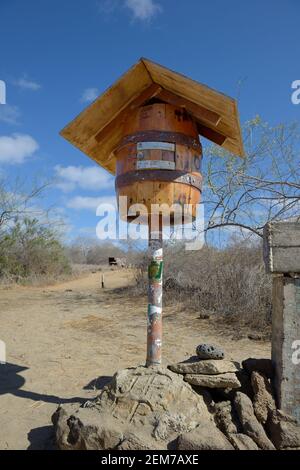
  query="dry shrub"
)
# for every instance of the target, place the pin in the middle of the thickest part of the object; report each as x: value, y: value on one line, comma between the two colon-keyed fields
x: 30, y: 253
x: 230, y: 282
x: 88, y: 251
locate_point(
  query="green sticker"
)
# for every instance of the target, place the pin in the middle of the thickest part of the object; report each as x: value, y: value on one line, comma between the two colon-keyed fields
x: 155, y: 270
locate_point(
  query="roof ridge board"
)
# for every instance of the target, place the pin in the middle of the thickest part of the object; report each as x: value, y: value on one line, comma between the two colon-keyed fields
x: 213, y: 90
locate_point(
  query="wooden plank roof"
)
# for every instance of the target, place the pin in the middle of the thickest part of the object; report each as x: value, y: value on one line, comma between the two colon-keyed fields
x: 97, y: 131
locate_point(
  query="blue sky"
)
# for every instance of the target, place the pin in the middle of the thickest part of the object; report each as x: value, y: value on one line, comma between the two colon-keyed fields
x: 58, y: 55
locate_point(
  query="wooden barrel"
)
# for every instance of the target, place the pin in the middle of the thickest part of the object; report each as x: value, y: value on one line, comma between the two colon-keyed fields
x: 159, y: 161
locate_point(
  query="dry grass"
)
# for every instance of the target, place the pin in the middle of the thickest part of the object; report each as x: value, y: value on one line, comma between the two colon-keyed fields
x: 230, y: 285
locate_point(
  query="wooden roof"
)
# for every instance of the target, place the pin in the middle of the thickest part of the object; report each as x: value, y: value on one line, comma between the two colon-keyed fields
x: 97, y: 131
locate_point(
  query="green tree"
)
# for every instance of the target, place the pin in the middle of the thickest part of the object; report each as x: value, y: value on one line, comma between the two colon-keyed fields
x: 28, y: 248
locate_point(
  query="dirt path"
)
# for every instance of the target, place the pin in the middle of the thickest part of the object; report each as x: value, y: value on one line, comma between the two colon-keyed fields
x: 65, y: 341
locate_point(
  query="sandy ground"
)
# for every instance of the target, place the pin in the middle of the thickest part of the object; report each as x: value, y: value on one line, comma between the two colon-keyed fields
x: 65, y: 341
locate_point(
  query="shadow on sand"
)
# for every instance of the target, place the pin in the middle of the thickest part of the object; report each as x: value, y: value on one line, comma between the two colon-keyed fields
x: 11, y: 382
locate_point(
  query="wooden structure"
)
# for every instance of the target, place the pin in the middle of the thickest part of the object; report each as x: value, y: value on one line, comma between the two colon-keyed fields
x: 145, y: 130
x: 99, y: 129
x: 159, y: 160
x: 282, y: 259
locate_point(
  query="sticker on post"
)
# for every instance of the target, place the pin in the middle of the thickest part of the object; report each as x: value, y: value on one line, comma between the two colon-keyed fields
x: 154, y: 310
x: 155, y: 270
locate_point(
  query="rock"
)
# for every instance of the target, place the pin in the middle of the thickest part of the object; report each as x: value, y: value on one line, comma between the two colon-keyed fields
x: 225, y: 418
x: 283, y: 430
x: 242, y: 442
x: 209, y: 366
x: 228, y: 380
x: 228, y: 422
x: 151, y: 405
x: 259, y: 336
x: 251, y: 426
x: 264, y: 366
x: 263, y: 400
x: 132, y: 442
x: 63, y: 434
x: 225, y: 394
x: 204, y: 438
x: 208, y: 351
x: 171, y: 423
x: 81, y: 431
x: 204, y: 316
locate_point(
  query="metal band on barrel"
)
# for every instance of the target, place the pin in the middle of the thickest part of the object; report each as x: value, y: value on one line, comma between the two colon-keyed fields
x: 163, y: 136
x: 166, y: 176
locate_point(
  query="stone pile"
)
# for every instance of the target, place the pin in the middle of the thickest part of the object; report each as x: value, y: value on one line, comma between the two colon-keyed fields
x: 210, y: 373
x: 205, y: 402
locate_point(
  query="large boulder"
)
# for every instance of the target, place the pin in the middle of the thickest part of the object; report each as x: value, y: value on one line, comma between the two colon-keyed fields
x: 153, y: 406
x: 283, y: 430
x: 263, y: 400
x: 228, y: 380
x: 251, y: 426
x: 209, y: 366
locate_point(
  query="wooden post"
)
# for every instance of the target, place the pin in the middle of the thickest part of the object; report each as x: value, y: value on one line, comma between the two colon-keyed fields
x: 102, y: 281
x: 282, y: 259
x: 155, y: 291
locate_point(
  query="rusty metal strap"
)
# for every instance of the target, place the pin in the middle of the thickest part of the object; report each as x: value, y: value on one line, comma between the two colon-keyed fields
x: 163, y: 136
x: 166, y: 176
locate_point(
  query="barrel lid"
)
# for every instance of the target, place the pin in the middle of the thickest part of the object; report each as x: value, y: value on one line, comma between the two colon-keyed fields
x: 98, y: 130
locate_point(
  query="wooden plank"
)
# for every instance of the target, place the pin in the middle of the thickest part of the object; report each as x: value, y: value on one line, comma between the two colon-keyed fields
x: 206, y: 97
x: 105, y: 108
x: 199, y: 112
x: 211, y: 134
x: 152, y: 91
x: 194, y: 91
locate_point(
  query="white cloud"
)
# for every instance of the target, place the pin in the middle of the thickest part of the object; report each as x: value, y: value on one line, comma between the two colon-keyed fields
x: 90, y: 203
x: 143, y: 9
x: 26, y: 84
x: 9, y: 114
x: 16, y: 148
x: 89, y: 94
x: 90, y: 178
